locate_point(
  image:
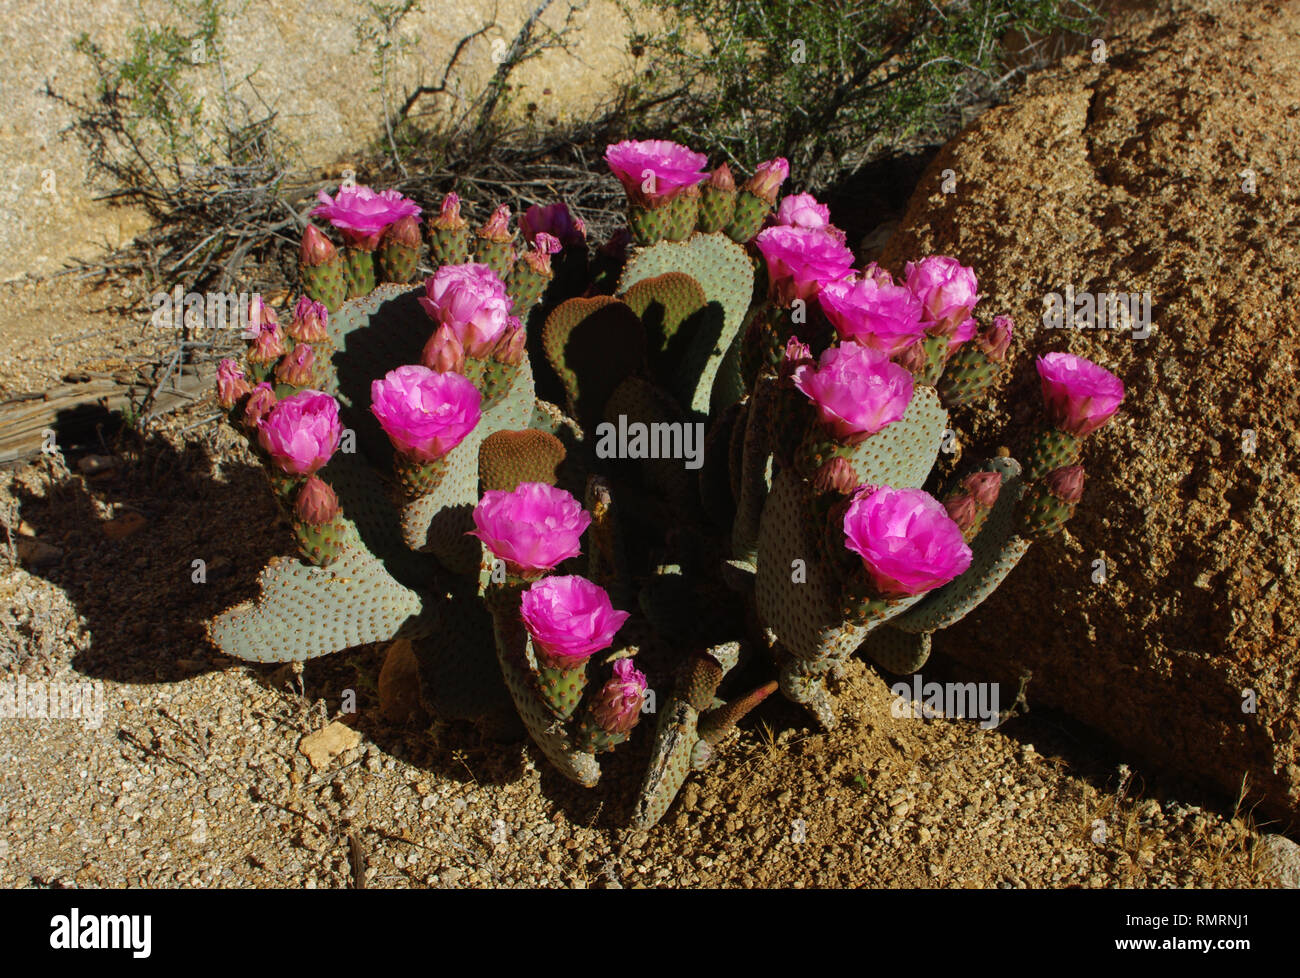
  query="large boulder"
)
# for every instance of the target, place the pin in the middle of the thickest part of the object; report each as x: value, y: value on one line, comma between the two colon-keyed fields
x: 1167, y: 169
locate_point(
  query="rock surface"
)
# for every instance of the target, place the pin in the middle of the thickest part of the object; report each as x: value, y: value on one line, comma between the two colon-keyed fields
x: 1168, y: 169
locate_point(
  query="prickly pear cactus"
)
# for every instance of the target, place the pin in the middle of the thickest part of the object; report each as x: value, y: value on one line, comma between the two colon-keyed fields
x: 741, y: 469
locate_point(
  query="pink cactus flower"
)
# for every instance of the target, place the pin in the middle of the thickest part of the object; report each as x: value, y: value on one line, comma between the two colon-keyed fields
x: 906, y: 539
x: 1080, y: 395
x: 618, y: 704
x: 856, y: 391
x: 472, y: 301
x: 555, y: 219
x: 361, y: 215
x: 803, y: 211
x: 309, y: 321
x: 801, y: 260
x: 767, y: 179
x: 655, y: 170
x: 301, y: 432
x: 231, y: 383
x: 881, y: 317
x: 948, y: 292
x: 533, y: 528
x: 425, y: 413
x: 569, y: 619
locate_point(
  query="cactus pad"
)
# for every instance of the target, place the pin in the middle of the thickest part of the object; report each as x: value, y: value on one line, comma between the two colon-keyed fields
x: 507, y: 458
x: 593, y: 344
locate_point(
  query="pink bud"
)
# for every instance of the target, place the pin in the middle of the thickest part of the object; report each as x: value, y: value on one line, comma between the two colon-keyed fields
x: 316, y: 503
x: 316, y: 248
x: 443, y: 352
x: 497, y: 226
x: 309, y: 321
x: 231, y: 383
x: 836, y: 475
x: 449, y: 217
x: 260, y: 403
x: 962, y: 511
x: 767, y: 179
x: 911, y: 358
x: 510, y: 347
x: 405, y: 232
x: 268, y: 346
x: 721, y: 178
x: 797, y: 354
x: 296, y: 368
x: 617, y: 706
x: 1066, y: 484
x: 995, y: 339
x: 984, y: 486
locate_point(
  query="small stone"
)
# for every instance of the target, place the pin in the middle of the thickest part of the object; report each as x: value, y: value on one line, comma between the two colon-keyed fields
x: 36, y: 553
x: 1281, y: 861
x: 123, y: 526
x: 324, y: 745
x: 93, y: 465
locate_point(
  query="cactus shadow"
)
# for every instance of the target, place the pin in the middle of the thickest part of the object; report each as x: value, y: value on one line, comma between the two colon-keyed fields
x: 142, y: 561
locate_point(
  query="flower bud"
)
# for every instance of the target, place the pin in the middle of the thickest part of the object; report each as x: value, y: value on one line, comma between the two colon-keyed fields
x: 995, y: 339
x: 297, y: 368
x: 510, y: 347
x: 618, y: 704
x: 449, y: 217
x: 1066, y: 484
x: 231, y: 383
x: 405, y: 232
x: 497, y: 226
x: 259, y: 405
x: 444, y: 352
x: 767, y: 179
x: 836, y: 475
x: 316, y: 248
x: 962, y: 511
x: 721, y: 178
x: 309, y: 321
x: 316, y: 502
x: 984, y: 487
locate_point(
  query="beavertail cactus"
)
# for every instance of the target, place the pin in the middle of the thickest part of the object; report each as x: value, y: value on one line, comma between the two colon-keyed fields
x: 739, y: 468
